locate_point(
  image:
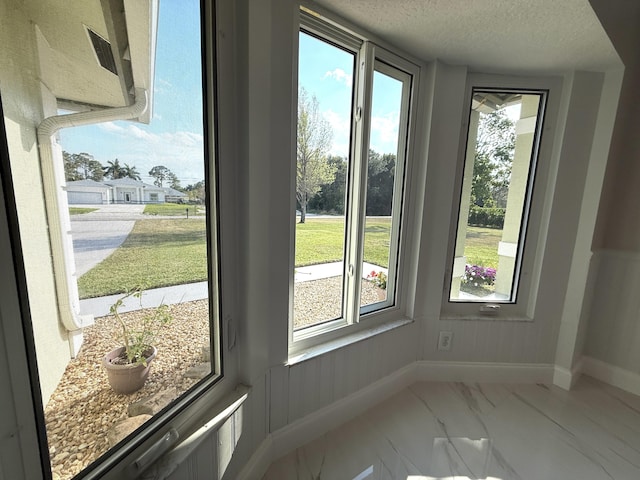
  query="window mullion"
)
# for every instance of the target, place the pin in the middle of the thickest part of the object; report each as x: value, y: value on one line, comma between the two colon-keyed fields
x: 358, y: 183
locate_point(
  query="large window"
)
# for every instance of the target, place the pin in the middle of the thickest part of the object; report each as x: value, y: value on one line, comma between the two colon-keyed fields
x: 502, y: 146
x: 352, y: 130
x: 124, y: 306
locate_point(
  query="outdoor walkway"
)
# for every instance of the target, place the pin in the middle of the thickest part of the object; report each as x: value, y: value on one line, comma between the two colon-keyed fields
x: 333, y: 269
x: 98, y: 234
x: 188, y: 292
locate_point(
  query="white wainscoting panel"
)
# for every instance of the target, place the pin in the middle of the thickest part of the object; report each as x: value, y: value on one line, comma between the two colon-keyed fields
x: 613, y: 335
x: 322, y: 380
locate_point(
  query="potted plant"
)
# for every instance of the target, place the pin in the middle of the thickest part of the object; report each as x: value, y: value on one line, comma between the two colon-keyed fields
x: 128, y: 365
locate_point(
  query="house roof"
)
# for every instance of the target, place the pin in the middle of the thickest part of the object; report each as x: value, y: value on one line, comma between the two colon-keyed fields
x: 172, y: 192
x: 96, y: 54
x: 120, y: 182
x: 86, y: 183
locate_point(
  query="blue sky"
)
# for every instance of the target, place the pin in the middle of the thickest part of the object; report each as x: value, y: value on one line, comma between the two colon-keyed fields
x: 174, y: 137
x: 327, y: 72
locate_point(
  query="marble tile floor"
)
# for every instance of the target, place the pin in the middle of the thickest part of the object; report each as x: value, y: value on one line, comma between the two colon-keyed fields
x: 480, y: 431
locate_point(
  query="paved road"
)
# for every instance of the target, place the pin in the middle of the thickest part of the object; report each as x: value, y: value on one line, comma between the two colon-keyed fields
x: 97, y: 234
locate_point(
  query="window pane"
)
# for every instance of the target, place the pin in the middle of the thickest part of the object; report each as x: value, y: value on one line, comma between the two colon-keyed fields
x: 382, y: 191
x: 496, y: 190
x: 324, y: 126
x: 126, y: 210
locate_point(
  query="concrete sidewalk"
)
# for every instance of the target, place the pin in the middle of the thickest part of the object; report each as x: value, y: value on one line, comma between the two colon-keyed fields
x: 333, y: 269
x: 188, y: 292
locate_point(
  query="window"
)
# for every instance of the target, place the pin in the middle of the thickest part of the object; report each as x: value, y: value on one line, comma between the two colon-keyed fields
x: 497, y: 186
x: 106, y: 154
x: 352, y: 142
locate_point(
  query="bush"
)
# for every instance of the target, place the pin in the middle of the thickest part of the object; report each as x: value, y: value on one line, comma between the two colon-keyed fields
x: 486, y: 217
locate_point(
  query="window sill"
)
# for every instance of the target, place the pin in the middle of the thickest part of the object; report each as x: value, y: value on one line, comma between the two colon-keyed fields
x: 321, y: 349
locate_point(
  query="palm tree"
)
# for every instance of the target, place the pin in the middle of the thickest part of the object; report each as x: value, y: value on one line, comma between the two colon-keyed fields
x: 131, y: 172
x: 114, y: 170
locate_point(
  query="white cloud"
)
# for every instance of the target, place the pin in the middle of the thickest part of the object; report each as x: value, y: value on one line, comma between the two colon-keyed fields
x: 181, y: 152
x: 110, y: 127
x: 340, y: 76
x: 341, y: 127
x: 384, y: 133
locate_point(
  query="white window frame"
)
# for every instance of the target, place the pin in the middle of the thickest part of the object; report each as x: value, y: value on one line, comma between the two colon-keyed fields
x: 537, y: 208
x: 205, y: 400
x: 369, y: 57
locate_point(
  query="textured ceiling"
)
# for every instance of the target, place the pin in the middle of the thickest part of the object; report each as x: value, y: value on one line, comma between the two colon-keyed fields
x: 493, y: 35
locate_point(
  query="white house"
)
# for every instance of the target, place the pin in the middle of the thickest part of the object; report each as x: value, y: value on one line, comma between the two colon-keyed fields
x: 173, y: 195
x: 279, y: 390
x: 87, y: 192
x: 128, y: 190
x: 121, y: 190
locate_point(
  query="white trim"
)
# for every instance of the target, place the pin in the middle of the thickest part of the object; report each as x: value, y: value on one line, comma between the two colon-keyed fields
x: 306, y: 429
x: 611, y: 374
x: 259, y: 462
x: 565, y: 378
x: 526, y: 125
x: 459, y: 264
x: 321, y: 421
x: 508, y: 249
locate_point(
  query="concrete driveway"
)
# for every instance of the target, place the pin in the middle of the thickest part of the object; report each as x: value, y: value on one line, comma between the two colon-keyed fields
x: 97, y: 234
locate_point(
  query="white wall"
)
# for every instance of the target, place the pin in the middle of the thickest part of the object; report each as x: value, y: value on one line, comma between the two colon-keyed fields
x: 613, y: 334
x: 263, y: 41
x: 25, y: 103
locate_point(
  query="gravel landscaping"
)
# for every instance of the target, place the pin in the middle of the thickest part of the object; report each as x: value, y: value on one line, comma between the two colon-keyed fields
x: 320, y: 300
x: 83, y: 408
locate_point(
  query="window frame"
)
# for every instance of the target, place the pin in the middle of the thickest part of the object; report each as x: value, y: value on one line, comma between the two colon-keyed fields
x: 368, y: 56
x: 194, y: 408
x: 535, y: 217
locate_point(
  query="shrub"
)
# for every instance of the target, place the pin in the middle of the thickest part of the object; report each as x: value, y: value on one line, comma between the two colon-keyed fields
x: 486, y: 217
x: 477, y: 275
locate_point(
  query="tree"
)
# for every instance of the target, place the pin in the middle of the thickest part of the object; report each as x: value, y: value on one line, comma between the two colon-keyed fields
x: 131, y: 172
x: 314, y: 141
x: 495, y: 146
x: 174, y: 181
x: 332, y: 195
x: 81, y: 166
x: 114, y: 170
x: 162, y: 174
x: 380, y: 179
x: 196, y: 192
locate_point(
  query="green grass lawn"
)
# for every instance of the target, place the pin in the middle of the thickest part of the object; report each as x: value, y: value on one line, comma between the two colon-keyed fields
x: 157, y: 253
x: 163, y: 252
x: 172, y: 209
x: 80, y: 210
x: 321, y: 240
x: 481, y: 247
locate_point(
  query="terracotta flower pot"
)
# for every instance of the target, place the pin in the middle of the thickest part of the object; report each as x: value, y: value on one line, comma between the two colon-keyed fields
x: 126, y: 378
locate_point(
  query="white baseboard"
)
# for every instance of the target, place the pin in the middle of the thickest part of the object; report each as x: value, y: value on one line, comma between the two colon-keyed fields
x: 565, y: 378
x: 312, y: 426
x: 484, y: 372
x: 616, y: 376
x: 259, y: 462
x: 318, y: 423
